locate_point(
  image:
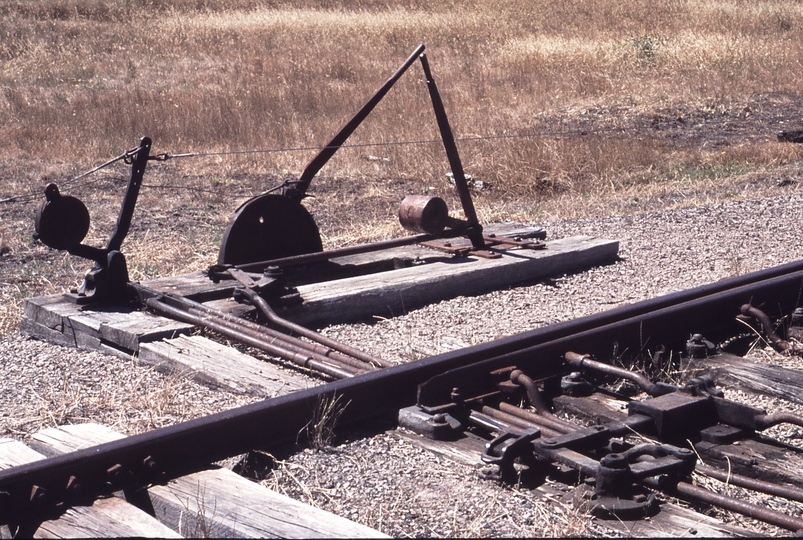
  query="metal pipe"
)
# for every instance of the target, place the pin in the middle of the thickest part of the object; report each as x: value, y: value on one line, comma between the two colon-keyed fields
x: 765, y: 421
x: 584, y: 361
x: 787, y: 492
x: 259, y: 331
x: 264, y: 307
x: 773, y: 517
x: 551, y: 421
x: 288, y: 340
x: 524, y: 423
x: 367, y: 362
x: 308, y: 360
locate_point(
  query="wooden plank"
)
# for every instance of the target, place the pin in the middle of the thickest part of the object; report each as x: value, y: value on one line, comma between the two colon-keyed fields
x: 219, y: 366
x: 217, y: 502
x: 752, y: 376
x: 189, y: 285
x: 391, y: 293
x: 762, y: 459
x: 89, y: 327
x: 105, y: 518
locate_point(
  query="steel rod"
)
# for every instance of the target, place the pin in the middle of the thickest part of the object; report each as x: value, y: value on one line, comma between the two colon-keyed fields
x: 312, y: 168
x: 518, y: 421
x: 787, y: 492
x: 364, y: 362
x: 307, y: 360
x: 264, y: 307
x: 551, y: 421
x: 762, y: 513
x: 309, y: 258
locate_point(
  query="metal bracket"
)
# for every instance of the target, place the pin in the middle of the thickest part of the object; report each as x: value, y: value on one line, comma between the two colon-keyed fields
x: 507, y: 448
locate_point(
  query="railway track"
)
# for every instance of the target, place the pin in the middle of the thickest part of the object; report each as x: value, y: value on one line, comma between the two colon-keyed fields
x: 498, y: 402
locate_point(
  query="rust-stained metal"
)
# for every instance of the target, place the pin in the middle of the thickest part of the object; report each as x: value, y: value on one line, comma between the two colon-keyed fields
x: 473, y: 227
x: 777, y: 342
x: 584, y: 361
x: 424, y: 214
x: 271, y: 226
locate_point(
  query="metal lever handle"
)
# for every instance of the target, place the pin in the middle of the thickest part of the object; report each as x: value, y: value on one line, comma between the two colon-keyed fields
x: 299, y: 189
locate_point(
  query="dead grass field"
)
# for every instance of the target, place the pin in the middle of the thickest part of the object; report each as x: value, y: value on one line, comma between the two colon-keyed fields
x: 566, y: 109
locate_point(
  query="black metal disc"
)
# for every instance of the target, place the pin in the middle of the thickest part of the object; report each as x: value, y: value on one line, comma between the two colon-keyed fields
x: 61, y: 222
x: 269, y: 227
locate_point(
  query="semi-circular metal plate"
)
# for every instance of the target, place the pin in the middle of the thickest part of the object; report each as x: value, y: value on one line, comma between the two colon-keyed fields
x: 269, y: 227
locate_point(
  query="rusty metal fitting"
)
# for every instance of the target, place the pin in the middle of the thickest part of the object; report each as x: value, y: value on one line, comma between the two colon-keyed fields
x: 39, y: 496
x: 424, y: 214
x: 777, y: 342
x: 699, y: 347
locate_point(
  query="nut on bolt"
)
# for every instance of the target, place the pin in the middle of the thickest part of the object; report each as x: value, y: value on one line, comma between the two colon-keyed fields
x: 39, y: 495
x: 74, y: 486
x: 116, y: 475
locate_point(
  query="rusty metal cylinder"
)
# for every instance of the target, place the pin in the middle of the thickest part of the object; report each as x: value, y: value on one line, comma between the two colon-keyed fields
x: 423, y: 214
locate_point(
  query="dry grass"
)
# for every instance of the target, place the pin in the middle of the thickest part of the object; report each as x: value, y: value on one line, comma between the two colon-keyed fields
x: 635, y: 106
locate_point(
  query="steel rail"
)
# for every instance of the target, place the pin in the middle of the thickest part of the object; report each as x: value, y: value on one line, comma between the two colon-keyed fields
x: 178, y: 449
x: 628, y: 326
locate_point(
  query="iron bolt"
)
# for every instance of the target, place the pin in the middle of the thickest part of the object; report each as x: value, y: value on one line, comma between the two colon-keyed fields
x: 439, y: 418
x: 614, y: 461
x: 38, y: 496
x: 640, y: 498
x: 272, y: 271
x: 684, y: 451
x: 149, y: 463
x: 74, y: 487
x: 549, y: 441
x: 116, y: 474
x: 447, y: 244
x: 456, y: 395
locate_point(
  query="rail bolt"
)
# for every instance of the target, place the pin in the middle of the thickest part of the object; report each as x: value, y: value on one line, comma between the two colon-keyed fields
x: 699, y: 347
x: 116, y: 475
x: 39, y: 496
x: 74, y: 486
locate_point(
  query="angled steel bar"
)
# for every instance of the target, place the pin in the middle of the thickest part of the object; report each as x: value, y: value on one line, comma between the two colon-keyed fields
x: 474, y: 229
x: 299, y: 189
